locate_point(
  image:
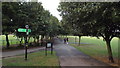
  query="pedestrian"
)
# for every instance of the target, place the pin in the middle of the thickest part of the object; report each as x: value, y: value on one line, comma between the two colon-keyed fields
x: 67, y: 40
x: 64, y: 40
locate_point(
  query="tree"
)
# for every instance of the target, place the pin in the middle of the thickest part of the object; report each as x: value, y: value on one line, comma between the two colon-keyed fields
x: 107, y: 24
x: 93, y: 19
x: 8, y: 19
x: 73, y: 16
x: 54, y: 26
x: 18, y: 14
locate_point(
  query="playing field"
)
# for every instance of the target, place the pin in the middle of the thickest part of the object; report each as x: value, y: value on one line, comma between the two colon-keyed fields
x: 12, y: 40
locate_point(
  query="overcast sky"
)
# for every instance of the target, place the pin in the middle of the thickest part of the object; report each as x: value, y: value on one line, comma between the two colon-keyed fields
x: 52, y: 6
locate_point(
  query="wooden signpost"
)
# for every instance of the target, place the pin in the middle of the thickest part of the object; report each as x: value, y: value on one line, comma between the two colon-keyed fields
x: 27, y: 30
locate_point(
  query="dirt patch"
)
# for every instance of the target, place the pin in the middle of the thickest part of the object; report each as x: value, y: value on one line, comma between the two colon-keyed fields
x: 105, y: 59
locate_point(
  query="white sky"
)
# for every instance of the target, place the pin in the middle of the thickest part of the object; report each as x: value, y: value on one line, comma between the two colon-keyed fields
x: 52, y: 6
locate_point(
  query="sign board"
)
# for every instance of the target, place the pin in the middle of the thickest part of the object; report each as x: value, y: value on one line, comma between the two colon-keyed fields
x: 23, y: 30
x: 49, y: 45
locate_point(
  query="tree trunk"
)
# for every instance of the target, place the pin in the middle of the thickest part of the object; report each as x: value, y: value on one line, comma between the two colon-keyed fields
x: 46, y: 37
x: 109, y: 51
x: 29, y: 39
x: 79, y: 40
x: 34, y: 40
x: 7, y: 40
x: 42, y: 37
x: 38, y: 39
x: 50, y: 37
x: 21, y: 41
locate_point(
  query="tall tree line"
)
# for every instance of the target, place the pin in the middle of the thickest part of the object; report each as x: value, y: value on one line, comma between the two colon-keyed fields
x: 18, y: 14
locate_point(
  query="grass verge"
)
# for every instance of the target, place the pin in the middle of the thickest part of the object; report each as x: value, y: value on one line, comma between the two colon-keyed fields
x: 96, y: 52
x: 34, y: 59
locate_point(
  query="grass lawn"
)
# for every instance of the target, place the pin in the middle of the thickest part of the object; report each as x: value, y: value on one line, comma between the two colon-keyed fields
x: 34, y: 59
x: 12, y: 40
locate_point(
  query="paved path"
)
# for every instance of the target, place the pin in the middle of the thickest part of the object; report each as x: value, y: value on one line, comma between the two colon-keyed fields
x: 18, y: 52
x: 70, y: 56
